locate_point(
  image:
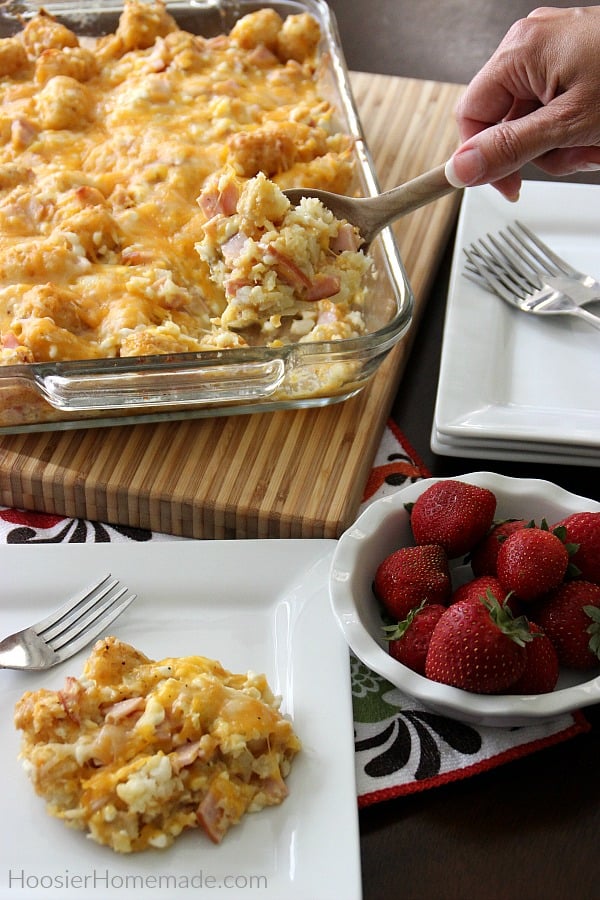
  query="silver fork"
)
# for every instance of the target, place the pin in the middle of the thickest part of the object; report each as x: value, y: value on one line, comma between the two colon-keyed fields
x: 68, y: 629
x: 518, y: 267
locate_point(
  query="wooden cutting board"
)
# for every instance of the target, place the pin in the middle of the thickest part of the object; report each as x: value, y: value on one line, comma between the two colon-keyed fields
x: 285, y: 474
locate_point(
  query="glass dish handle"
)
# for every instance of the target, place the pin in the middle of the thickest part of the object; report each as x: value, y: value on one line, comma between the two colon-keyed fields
x: 165, y: 387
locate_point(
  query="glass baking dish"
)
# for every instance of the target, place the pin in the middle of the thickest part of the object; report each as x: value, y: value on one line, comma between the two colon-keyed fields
x: 71, y: 394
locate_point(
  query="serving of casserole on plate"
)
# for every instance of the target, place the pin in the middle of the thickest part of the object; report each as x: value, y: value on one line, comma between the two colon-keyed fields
x: 130, y: 135
x: 193, y: 597
x: 136, y: 751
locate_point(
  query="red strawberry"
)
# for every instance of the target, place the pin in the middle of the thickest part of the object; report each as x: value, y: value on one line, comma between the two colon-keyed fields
x: 477, y: 588
x: 479, y: 647
x: 584, y: 529
x: 485, y: 554
x: 570, y: 616
x: 410, y: 576
x: 541, y: 669
x: 410, y: 638
x: 454, y: 514
x: 532, y: 561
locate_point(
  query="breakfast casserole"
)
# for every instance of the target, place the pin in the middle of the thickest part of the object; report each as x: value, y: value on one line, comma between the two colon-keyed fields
x: 137, y: 751
x: 116, y: 154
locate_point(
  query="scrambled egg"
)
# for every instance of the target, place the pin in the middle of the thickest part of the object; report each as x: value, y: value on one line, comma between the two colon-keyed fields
x: 136, y: 751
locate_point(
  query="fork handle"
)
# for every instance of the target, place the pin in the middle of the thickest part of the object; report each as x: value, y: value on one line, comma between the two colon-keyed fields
x: 587, y: 316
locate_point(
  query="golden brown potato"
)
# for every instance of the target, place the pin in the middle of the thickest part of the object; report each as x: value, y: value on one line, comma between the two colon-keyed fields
x: 64, y: 103
x: 12, y: 56
x: 43, y: 32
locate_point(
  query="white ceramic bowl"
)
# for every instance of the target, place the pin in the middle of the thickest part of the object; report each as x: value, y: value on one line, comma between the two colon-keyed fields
x: 382, y: 528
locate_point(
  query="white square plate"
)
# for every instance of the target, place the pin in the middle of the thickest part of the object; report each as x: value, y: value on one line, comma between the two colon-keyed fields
x: 260, y: 605
x: 513, y: 451
x: 508, y: 375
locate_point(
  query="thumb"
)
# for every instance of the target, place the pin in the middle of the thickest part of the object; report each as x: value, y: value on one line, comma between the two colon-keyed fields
x: 467, y: 168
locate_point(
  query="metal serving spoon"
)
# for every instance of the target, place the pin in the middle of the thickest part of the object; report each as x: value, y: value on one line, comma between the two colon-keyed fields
x: 371, y: 214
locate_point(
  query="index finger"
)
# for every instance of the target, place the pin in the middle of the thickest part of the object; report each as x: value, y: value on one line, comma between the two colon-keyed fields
x: 486, y: 102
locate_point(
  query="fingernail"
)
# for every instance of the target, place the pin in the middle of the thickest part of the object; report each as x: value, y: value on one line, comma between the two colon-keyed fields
x: 465, y: 168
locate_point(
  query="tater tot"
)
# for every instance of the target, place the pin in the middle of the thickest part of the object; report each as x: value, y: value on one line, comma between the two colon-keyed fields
x: 298, y: 38
x: 63, y: 102
x: 12, y: 56
x: 261, y: 27
x: 76, y: 62
x: 44, y: 33
x: 140, y: 25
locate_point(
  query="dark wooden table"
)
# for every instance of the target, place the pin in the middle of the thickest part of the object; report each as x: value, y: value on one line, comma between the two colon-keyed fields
x: 527, y: 830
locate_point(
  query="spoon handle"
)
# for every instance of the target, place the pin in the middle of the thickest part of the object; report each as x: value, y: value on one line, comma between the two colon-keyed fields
x: 413, y: 194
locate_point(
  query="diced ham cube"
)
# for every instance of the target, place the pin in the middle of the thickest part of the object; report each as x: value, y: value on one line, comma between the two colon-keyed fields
x: 233, y: 247
x: 124, y: 708
x: 348, y: 238
x: 322, y: 286
x: 219, y: 199
x: 288, y: 271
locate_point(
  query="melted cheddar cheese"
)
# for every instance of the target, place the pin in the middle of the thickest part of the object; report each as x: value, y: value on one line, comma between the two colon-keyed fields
x: 136, y: 751
x: 106, y: 146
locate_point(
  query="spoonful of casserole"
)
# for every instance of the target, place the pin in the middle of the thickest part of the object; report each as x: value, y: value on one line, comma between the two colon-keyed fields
x: 369, y: 215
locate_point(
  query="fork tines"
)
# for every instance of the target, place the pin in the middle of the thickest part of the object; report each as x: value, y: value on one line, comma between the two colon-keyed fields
x: 538, y: 250
x: 496, y: 264
x: 515, y: 260
x: 102, y: 601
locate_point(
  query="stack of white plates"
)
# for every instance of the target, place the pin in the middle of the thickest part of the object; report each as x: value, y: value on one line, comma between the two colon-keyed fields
x: 515, y: 386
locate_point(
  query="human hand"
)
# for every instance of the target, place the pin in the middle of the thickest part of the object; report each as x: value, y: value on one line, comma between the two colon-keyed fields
x: 536, y: 100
